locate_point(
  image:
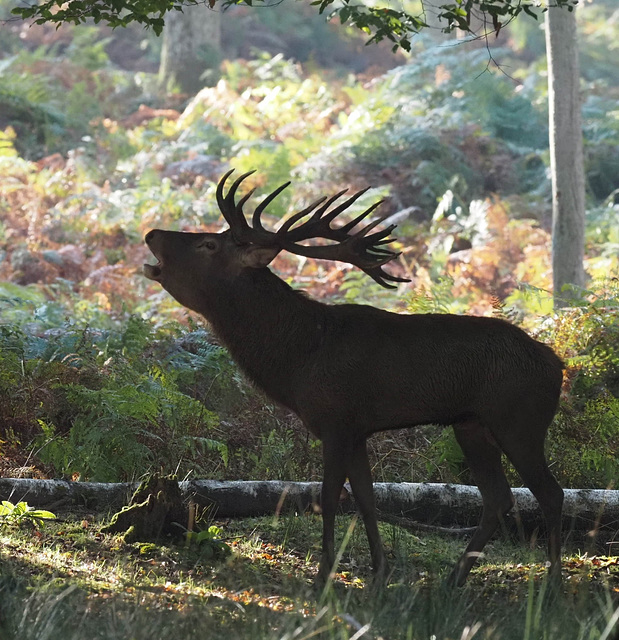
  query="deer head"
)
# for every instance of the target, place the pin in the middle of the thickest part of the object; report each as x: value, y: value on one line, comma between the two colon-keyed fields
x: 188, y: 262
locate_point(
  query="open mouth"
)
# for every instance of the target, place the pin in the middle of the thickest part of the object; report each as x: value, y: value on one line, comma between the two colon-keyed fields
x: 152, y: 271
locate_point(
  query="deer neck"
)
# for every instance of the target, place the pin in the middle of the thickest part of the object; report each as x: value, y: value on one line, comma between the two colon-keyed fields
x: 269, y: 329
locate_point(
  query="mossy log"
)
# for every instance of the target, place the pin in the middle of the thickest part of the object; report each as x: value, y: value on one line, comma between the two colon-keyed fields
x: 428, y: 503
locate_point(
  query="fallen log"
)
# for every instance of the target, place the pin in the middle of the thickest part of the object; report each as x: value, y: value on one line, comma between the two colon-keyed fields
x: 438, y: 505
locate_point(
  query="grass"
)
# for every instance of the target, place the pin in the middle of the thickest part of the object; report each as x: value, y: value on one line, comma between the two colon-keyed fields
x: 70, y: 581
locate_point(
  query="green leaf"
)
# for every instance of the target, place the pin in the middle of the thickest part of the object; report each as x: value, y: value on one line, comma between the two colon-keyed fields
x: 41, y: 513
x: 20, y: 508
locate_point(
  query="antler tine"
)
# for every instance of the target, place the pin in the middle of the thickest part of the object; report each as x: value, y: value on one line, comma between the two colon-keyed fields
x: 374, y: 240
x: 353, y: 223
x: 382, y: 233
x: 256, y: 222
x: 315, y: 226
x: 319, y: 225
x: 301, y: 214
x: 379, y: 251
x: 232, y: 211
x: 221, y: 200
x: 232, y: 192
x: 381, y: 276
x: 239, y: 205
x: 344, y: 205
x: 327, y: 202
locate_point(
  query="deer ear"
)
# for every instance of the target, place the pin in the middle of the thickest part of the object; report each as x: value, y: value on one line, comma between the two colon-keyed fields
x: 256, y: 257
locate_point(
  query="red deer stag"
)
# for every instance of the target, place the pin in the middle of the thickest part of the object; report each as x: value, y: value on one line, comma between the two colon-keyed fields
x: 350, y: 370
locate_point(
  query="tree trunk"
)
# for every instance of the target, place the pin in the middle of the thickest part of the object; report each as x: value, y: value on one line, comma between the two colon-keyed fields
x: 191, y: 50
x: 439, y: 505
x: 566, y: 152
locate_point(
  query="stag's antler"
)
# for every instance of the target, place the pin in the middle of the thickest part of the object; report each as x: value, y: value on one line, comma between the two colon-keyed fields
x: 362, y: 249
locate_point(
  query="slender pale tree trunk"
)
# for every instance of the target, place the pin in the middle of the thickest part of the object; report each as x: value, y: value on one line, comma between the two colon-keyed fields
x: 191, y: 50
x: 566, y: 152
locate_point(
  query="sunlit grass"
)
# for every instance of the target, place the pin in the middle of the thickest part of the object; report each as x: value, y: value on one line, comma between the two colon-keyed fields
x: 70, y: 581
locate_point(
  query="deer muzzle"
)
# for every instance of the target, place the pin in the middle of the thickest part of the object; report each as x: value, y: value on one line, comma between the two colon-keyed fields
x: 152, y: 271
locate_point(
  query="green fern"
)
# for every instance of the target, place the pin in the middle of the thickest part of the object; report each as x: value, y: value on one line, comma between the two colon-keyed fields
x: 438, y: 299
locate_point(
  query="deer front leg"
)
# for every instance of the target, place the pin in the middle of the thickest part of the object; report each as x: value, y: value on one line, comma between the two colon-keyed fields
x: 334, y: 458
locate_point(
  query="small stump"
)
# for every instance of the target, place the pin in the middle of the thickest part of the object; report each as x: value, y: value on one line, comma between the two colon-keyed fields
x: 156, y: 509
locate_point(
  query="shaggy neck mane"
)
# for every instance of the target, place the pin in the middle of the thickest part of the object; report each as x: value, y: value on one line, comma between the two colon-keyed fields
x: 267, y: 327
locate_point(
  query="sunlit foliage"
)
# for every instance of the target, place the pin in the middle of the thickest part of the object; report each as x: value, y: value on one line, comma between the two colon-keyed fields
x: 103, y: 376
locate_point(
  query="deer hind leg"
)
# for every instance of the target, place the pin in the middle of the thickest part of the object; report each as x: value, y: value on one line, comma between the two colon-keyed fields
x: 525, y: 449
x: 360, y: 476
x: 483, y: 456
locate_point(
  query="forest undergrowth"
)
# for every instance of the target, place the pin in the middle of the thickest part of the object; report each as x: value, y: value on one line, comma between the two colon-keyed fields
x: 103, y: 377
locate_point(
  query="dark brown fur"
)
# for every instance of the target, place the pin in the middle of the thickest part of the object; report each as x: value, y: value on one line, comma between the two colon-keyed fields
x: 349, y: 371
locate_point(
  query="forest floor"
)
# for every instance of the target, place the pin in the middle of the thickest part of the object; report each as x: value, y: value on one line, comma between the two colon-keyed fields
x: 69, y: 580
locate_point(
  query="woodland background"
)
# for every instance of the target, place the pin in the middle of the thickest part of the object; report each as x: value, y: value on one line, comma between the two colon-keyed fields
x: 104, y: 377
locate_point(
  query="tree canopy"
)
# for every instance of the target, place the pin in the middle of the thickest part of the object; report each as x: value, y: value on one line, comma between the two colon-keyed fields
x: 379, y: 22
